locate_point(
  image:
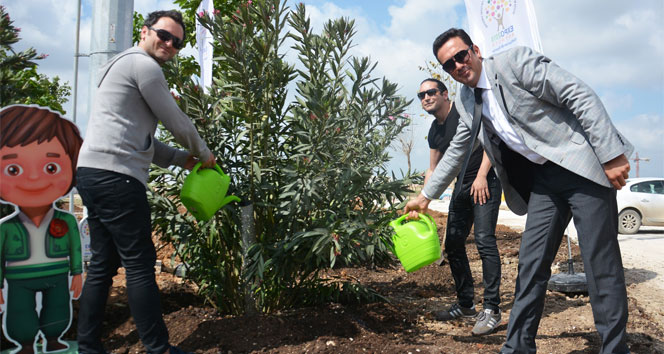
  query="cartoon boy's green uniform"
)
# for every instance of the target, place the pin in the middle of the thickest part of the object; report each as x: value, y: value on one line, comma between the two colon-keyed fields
x: 38, y: 259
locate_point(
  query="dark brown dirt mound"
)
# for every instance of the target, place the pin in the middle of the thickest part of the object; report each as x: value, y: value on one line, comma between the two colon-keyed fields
x: 404, y: 325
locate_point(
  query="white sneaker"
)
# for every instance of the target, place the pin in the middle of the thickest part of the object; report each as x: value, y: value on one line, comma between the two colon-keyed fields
x: 487, y: 321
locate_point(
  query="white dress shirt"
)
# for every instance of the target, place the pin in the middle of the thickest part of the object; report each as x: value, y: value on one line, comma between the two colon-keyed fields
x: 498, y: 122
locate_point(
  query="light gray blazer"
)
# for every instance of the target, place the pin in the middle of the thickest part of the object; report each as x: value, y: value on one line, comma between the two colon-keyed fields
x: 556, y: 114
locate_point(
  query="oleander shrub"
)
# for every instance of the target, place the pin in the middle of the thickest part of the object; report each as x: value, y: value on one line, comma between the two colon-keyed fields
x: 312, y: 166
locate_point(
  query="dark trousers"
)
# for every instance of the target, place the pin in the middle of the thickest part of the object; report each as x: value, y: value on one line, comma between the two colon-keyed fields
x: 120, y: 235
x: 463, y: 212
x: 555, y: 194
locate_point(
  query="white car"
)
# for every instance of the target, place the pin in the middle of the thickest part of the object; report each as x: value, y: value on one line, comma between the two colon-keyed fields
x: 640, y: 202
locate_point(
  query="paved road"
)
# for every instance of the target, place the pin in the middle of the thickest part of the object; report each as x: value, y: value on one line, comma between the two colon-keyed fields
x: 643, y: 252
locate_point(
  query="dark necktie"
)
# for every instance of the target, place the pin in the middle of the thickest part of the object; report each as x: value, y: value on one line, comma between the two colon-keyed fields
x: 477, y: 118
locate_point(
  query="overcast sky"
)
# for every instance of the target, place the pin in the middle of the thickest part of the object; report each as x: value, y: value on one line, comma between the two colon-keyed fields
x: 616, y: 47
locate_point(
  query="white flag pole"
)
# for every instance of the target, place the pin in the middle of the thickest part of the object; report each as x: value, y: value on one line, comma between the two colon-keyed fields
x: 204, y: 44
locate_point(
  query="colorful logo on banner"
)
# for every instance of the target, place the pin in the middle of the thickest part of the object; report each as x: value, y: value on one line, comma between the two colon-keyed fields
x: 493, y: 14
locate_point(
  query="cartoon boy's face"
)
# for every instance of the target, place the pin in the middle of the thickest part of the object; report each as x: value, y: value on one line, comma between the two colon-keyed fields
x: 34, y: 175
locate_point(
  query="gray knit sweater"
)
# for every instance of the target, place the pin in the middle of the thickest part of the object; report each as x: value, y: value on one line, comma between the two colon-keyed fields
x: 132, y: 97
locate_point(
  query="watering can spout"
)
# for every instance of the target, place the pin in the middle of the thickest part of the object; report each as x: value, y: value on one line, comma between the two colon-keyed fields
x: 228, y: 199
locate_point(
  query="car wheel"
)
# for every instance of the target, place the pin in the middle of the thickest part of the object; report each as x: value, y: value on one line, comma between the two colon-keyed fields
x: 629, y: 221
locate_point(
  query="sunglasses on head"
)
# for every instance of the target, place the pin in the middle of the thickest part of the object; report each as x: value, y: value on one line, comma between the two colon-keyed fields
x: 459, y: 57
x: 166, y: 36
x: 430, y: 92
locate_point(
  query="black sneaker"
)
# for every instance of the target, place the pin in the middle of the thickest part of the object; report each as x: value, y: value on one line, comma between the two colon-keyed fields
x: 455, y: 311
x: 487, y: 321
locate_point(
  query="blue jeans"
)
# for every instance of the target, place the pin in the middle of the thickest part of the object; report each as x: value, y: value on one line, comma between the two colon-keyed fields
x: 463, y: 212
x: 120, y: 235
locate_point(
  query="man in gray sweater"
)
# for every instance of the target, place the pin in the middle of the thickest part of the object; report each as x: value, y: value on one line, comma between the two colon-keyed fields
x: 132, y: 97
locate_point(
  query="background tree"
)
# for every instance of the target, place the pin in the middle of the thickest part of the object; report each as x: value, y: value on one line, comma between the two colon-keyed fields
x: 19, y: 80
x: 406, y: 143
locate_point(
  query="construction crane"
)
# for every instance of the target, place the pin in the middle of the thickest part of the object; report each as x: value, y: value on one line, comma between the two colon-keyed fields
x: 637, y: 159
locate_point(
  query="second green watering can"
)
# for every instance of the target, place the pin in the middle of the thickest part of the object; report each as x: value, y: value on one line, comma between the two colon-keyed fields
x: 204, y: 191
x: 415, y: 242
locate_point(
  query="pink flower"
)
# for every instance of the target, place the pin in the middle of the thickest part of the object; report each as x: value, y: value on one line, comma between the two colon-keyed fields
x: 391, y: 117
x: 406, y: 115
x: 249, y: 2
x: 216, y: 12
x: 201, y: 14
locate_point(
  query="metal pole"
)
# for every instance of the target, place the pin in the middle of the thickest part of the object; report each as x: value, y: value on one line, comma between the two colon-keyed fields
x: 248, y: 239
x: 111, y: 34
x: 76, y: 55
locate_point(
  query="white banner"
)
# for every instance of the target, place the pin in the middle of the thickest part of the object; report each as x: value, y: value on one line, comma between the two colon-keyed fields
x: 497, y: 25
x: 204, y: 44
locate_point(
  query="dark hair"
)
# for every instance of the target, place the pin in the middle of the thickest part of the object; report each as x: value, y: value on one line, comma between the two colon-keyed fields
x: 154, y: 16
x: 449, y: 34
x: 23, y: 125
x: 440, y: 84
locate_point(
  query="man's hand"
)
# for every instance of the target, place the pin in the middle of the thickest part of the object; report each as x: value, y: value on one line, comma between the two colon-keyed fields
x: 76, y: 285
x: 210, y: 163
x: 418, y: 205
x: 617, y: 171
x: 480, y: 190
x: 193, y: 160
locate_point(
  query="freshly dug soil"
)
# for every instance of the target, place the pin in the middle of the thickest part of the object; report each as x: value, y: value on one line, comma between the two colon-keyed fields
x: 404, y: 325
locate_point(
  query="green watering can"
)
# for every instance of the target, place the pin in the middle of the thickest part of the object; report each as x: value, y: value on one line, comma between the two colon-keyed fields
x: 415, y: 242
x: 204, y: 191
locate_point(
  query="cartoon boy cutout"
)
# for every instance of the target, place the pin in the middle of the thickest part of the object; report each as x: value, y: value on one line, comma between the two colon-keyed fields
x: 41, y: 245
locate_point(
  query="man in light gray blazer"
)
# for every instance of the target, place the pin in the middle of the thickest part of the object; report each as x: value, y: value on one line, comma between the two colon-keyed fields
x: 558, y: 156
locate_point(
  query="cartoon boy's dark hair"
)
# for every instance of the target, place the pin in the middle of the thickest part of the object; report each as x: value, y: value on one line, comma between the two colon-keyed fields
x: 23, y: 125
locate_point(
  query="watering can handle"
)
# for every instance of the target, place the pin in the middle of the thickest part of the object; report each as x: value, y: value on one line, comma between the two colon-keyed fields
x: 398, y: 221
x: 199, y: 164
x: 424, y: 217
x: 429, y: 222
